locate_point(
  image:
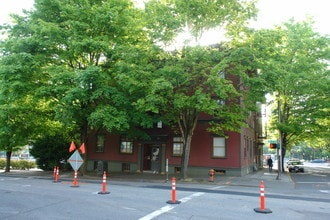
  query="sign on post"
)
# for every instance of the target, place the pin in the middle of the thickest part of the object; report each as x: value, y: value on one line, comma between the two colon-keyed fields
x: 272, y: 141
x: 76, y: 160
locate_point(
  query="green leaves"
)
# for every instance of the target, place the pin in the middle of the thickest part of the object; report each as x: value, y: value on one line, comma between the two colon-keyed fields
x: 293, y: 62
x: 203, y: 15
x: 110, y: 118
x: 167, y: 19
x: 98, y: 64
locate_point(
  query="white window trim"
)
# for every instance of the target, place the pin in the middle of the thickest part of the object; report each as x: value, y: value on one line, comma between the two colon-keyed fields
x: 177, y: 141
x: 219, y: 147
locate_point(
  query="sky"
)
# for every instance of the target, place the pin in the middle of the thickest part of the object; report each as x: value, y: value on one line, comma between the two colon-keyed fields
x: 271, y: 12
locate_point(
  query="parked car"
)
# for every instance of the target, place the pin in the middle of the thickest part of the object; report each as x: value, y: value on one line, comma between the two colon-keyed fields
x: 318, y: 161
x: 295, y: 166
x: 292, y: 160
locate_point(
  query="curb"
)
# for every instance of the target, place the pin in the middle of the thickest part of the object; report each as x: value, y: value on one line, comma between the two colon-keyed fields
x: 249, y: 180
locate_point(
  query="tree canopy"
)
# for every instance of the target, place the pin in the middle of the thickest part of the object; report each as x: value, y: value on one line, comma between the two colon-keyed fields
x: 194, y: 82
x: 166, y: 19
x: 93, y: 64
x: 293, y: 62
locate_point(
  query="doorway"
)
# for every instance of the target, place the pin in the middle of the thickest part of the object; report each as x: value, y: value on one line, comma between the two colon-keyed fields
x: 152, y: 158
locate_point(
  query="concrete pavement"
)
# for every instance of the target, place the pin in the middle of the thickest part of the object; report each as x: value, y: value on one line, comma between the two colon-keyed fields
x: 270, y: 179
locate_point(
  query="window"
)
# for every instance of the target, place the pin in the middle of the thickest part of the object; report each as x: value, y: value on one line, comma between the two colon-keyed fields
x: 177, y: 146
x: 159, y: 124
x: 219, y: 147
x: 100, y: 143
x: 126, y: 146
x: 222, y: 74
x: 221, y: 102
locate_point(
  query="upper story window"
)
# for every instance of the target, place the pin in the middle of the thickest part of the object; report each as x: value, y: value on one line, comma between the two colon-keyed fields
x: 100, y: 143
x: 221, y: 102
x: 177, y: 146
x: 219, y: 147
x: 126, y: 146
x: 222, y: 74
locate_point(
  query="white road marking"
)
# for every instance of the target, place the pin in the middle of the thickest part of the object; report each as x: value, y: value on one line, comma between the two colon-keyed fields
x: 157, y: 212
x: 128, y: 208
x: 197, y: 194
x: 324, y: 191
x: 10, y: 179
x: 169, y: 207
x: 313, y: 182
x: 218, y: 187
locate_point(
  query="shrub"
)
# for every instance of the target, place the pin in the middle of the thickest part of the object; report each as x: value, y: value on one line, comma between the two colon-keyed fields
x: 22, y: 164
x: 18, y: 164
x: 2, y: 163
x: 50, y: 151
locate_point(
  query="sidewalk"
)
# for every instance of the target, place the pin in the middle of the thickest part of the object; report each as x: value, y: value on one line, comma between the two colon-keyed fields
x: 271, y: 180
x: 250, y: 180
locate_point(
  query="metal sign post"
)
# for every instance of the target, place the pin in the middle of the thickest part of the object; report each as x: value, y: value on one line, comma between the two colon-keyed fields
x: 278, y: 163
x: 75, y: 161
x: 166, y: 169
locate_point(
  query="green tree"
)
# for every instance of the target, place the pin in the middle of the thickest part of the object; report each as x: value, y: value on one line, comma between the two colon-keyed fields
x: 134, y: 75
x: 293, y: 61
x: 190, y: 79
x: 193, y: 83
x: 51, y: 150
x: 84, y: 37
x: 24, y: 116
x: 94, y: 59
x: 20, y: 114
x: 75, y: 44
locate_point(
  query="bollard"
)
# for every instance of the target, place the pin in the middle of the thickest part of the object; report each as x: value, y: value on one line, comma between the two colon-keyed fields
x: 262, y: 208
x: 173, y: 201
x: 75, y: 181
x: 104, y: 185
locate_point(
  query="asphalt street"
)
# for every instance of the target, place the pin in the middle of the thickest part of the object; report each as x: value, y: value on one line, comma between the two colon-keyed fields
x: 26, y: 195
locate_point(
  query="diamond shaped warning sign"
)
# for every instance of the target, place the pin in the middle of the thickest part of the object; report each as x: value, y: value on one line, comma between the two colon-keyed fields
x: 76, y: 160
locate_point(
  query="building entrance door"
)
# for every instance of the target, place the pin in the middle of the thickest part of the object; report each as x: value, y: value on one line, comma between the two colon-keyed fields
x: 152, y: 157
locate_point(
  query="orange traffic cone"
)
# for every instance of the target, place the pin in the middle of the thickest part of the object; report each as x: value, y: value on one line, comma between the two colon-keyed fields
x: 57, y: 175
x: 104, y: 185
x: 75, y: 181
x: 54, y: 174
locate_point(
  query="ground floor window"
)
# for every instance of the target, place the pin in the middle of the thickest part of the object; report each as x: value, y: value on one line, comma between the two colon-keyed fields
x: 100, y: 143
x: 177, y: 146
x: 219, y: 147
x: 126, y: 146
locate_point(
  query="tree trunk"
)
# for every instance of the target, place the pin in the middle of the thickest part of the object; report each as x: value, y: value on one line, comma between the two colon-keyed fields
x: 187, y: 125
x: 8, y: 156
x: 282, y: 157
x: 185, y: 156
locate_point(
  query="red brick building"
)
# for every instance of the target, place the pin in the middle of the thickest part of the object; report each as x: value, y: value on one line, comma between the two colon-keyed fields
x: 237, y: 155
